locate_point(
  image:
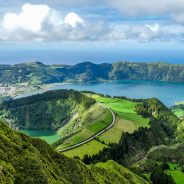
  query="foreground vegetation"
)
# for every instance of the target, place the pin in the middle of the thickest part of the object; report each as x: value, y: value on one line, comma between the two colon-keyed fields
x: 29, y: 160
x: 62, y: 117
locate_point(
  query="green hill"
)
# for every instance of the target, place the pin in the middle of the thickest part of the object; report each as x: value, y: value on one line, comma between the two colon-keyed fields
x: 38, y: 73
x: 29, y: 160
x: 66, y: 116
x: 127, y: 120
x: 48, y: 111
x: 132, y: 147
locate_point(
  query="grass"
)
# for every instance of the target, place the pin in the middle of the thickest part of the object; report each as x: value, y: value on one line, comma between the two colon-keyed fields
x: 95, y: 123
x: 90, y: 148
x: 136, y: 119
x: 49, y: 136
x: 114, y: 134
x: 127, y: 121
x: 117, y: 105
x: 177, y: 175
x: 179, y: 111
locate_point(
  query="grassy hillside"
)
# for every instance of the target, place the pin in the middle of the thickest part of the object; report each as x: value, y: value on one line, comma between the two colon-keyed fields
x: 180, y: 132
x: 38, y: 73
x: 127, y: 120
x: 134, y: 146
x: 63, y: 117
x: 138, y: 148
x: 97, y: 118
x: 48, y: 111
x: 90, y: 148
x: 178, y: 109
x: 28, y: 160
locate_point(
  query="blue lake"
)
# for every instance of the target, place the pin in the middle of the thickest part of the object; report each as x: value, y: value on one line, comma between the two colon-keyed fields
x: 168, y: 93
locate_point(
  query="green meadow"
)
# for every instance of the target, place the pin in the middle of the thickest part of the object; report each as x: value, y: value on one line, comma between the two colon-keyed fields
x: 127, y: 120
x: 97, y: 119
x: 176, y: 172
x: 89, y: 148
x: 177, y: 175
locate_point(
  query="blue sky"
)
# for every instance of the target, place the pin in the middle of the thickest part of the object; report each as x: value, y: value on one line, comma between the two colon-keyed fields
x: 58, y: 31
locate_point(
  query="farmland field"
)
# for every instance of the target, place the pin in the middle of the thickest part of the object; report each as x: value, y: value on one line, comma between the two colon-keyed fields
x: 126, y: 121
x: 89, y: 148
x: 98, y: 122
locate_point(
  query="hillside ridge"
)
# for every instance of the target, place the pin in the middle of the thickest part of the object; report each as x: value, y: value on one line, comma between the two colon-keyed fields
x: 39, y: 73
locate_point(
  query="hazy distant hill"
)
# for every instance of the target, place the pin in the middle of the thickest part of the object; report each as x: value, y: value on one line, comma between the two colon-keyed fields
x: 37, y: 72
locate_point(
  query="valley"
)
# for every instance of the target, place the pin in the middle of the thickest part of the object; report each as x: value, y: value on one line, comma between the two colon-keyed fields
x: 96, y: 127
x: 68, y: 118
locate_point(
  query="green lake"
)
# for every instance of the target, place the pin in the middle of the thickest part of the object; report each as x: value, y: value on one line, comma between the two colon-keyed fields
x: 49, y: 136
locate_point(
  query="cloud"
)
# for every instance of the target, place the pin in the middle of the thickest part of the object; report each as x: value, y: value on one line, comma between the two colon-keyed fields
x: 37, y: 22
x: 141, y: 33
x: 172, y: 8
x: 73, y: 19
x: 146, y: 33
x: 30, y: 18
x: 42, y: 23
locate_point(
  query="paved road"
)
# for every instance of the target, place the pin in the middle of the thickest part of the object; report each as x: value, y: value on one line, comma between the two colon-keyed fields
x: 94, y: 136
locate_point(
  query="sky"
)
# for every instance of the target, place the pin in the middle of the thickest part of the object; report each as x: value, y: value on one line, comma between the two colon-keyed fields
x: 60, y: 31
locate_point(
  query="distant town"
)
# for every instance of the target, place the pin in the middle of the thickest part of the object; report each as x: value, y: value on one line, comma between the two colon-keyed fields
x: 12, y: 91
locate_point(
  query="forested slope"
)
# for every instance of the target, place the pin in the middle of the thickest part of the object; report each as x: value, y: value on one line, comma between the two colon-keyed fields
x: 28, y: 160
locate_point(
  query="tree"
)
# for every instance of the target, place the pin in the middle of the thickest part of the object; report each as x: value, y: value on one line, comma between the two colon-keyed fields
x: 158, y: 176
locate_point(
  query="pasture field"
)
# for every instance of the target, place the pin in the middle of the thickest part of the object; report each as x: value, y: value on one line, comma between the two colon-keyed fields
x: 114, y: 134
x: 103, y: 120
x: 89, y: 148
x: 176, y: 173
x: 126, y: 121
x: 178, y: 110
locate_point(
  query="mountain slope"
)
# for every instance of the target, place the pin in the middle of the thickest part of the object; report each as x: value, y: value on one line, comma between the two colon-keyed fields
x: 28, y: 160
x: 49, y: 111
x: 134, y: 146
x: 69, y: 116
x: 38, y: 73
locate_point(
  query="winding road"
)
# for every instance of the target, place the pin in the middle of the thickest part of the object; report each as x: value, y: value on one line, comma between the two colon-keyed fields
x: 94, y: 136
